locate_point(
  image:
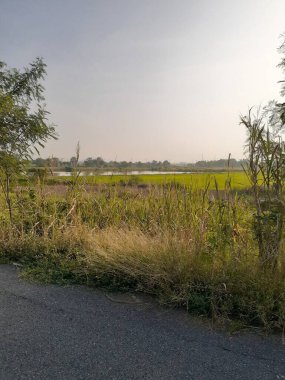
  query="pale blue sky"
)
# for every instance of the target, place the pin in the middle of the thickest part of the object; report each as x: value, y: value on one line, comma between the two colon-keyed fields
x: 143, y: 80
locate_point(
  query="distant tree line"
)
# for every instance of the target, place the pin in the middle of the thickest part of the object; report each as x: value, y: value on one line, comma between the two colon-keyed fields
x: 99, y: 164
x: 221, y: 163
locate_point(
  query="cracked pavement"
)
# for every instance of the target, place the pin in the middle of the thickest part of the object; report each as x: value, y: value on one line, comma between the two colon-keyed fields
x: 53, y: 332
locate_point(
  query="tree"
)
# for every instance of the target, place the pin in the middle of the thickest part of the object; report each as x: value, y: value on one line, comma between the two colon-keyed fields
x: 281, y: 106
x: 275, y: 111
x: 23, y: 119
x: 265, y: 168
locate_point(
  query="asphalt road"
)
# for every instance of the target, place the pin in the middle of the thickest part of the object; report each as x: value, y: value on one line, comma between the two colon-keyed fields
x: 52, y: 332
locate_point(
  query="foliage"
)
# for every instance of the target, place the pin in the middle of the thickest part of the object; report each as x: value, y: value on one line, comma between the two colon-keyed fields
x: 23, y: 119
x: 281, y: 106
x: 266, y: 172
x: 265, y: 169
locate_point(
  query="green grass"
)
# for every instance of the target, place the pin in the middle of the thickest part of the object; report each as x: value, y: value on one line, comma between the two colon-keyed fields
x: 239, y: 180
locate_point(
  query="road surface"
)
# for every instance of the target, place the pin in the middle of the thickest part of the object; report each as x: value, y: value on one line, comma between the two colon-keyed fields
x: 53, y: 332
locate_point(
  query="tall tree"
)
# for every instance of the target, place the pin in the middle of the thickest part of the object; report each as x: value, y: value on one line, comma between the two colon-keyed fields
x: 281, y: 106
x: 275, y: 111
x: 23, y: 119
x: 265, y: 168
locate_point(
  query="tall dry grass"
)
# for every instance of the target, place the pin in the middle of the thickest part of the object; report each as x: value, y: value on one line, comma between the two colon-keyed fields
x: 190, y: 248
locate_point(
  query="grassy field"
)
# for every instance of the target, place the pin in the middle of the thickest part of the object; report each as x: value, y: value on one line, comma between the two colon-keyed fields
x: 238, y: 180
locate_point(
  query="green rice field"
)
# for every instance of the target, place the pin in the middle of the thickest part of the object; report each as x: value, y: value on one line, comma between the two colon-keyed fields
x: 237, y: 180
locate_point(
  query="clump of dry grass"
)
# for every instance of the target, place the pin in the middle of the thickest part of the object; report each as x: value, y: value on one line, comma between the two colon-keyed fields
x: 206, y: 283
x: 150, y: 260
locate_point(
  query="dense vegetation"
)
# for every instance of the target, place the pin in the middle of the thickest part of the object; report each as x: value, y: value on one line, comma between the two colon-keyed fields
x: 191, y: 248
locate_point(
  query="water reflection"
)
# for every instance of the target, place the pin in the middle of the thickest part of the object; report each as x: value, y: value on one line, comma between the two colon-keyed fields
x: 110, y: 173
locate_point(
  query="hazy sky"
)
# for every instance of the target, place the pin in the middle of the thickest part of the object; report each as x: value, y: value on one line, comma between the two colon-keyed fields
x: 148, y: 79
